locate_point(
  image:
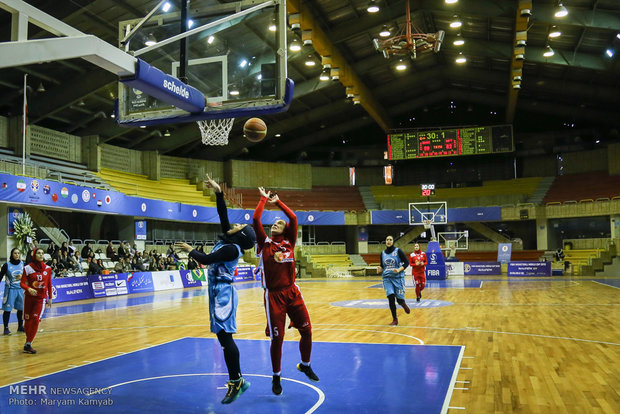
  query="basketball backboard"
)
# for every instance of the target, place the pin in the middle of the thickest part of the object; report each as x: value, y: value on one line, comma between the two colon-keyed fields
x: 428, y: 213
x: 235, y: 56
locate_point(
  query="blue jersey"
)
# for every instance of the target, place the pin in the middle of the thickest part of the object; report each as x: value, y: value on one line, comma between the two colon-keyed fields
x: 13, y: 275
x: 390, y: 262
x: 223, y: 297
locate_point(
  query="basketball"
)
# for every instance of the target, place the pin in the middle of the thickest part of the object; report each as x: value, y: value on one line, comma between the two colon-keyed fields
x: 254, y: 129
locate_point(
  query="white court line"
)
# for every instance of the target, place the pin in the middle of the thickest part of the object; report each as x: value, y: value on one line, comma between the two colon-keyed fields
x: 88, y: 362
x: 465, y: 368
x: 461, y: 388
x: 446, y: 401
x: 311, y: 410
x: 605, y: 284
x: 456, y: 408
x: 368, y: 330
x: 72, y: 366
x: 67, y: 369
x: 463, y: 382
x: 469, y: 357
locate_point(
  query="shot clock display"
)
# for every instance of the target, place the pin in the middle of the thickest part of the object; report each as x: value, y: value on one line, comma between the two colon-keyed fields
x: 405, y: 145
x: 428, y: 190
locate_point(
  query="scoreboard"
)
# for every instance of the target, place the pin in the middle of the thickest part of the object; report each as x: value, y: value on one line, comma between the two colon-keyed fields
x: 406, y: 145
x: 427, y: 190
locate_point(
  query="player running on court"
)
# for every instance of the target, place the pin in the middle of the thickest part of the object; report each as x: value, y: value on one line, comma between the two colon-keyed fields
x: 282, y: 296
x: 393, y: 265
x: 37, y: 282
x: 13, y: 293
x: 418, y: 262
x: 223, y: 297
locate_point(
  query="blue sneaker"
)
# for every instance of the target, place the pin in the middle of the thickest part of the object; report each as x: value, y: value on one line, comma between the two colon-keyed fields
x: 235, y: 389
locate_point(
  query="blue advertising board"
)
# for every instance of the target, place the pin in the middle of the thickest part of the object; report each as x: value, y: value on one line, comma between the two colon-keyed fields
x: 504, y: 251
x: 71, y: 288
x: 454, y: 215
x: 436, y: 266
x: 482, y: 268
x: 138, y: 282
x: 140, y: 229
x: 14, y: 214
x: 529, y: 269
x: 188, y: 279
x: 244, y: 273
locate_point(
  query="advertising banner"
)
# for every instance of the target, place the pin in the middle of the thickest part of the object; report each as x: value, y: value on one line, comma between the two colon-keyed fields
x: 14, y: 214
x: 188, y: 279
x: 504, y: 250
x: 71, y: 288
x: 244, y: 273
x: 140, y: 229
x: 108, y: 285
x: 483, y: 268
x: 529, y: 269
x: 167, y: 280
x: 455, y: 268
x: 139, y: 282
x: 436, y: 267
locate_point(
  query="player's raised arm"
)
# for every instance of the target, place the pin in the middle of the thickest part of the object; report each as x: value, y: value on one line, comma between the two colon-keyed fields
x: 290, y: 232
x: 256, y: 218
x: 222, y: 212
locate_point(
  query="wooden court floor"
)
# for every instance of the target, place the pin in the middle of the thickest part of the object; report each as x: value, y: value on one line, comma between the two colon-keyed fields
x: 531, y: 345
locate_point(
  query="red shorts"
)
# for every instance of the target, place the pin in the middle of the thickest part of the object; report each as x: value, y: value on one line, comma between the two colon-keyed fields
x: 278, y: 304
x: 33, y: 307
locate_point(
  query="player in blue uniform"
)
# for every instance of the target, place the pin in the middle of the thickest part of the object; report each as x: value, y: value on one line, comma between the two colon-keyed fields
x: 223, y: 299
x: 13, y: 293
x: 393, y: 265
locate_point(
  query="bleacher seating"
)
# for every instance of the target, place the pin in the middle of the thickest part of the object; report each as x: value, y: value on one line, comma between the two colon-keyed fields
x: 581, y: 257
x: 167, y: 189
x: 583, y: 187
x: 319, y: 198
x: 496, y: 192
x: 330, y: 260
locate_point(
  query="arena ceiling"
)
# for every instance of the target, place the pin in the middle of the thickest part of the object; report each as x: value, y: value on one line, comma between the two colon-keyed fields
x: 576, y: 89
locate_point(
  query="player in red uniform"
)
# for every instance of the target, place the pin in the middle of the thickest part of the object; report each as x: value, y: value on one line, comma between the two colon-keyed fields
x: 418, y: 262
x: 282, y: 296
x: 37, y: 282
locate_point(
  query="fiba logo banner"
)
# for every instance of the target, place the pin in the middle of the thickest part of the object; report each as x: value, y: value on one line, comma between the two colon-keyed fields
x: 436, y: 267
x: 504, y: 251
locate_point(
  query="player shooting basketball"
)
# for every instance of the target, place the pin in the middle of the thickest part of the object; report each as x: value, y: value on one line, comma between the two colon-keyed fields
x: 282, y: 296
x: 223, y: 297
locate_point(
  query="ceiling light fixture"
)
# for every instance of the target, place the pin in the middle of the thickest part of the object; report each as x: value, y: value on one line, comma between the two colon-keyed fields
x: 385, y: 31
x: 456, y: 23
x: 41, y: 88
x: 310, y: 61
x: 295, y: 46
x: 451, y: 1
x: 608, y: 52
x: 166, y: 7
x: 190, y: 23
x: 401, y: 65
x: 373, y: 6
x: 81, y: 102
x: 548, y: 51
x: 560, y: 11
x: 234, y: 92
x: 459, y: 41
x: 210, y: 39
x: 150, y: 40
x: 167, y: 133
x: 461, y: 58
x: 324, y: 76
x: 272, y: 26
x: 554, y: 32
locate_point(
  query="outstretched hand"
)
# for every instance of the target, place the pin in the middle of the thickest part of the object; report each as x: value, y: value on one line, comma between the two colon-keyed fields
x: 264, y: 193
x: 183, y: 246
x: 273, y: 198
x: 210, y: 183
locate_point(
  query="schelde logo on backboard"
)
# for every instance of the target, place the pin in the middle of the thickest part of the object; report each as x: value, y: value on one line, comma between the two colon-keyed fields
x: 177, y: 89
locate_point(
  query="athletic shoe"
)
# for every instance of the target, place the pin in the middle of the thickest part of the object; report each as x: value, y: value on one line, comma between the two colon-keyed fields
x: 406, y: 308
x: 29, y: 349
x: 307, y: 369
x: 276, y: 387
x: 235, y: 389
x: 418, y: 298
x: 21, y: 329
x: 394, y: 322
x: 6, y: 331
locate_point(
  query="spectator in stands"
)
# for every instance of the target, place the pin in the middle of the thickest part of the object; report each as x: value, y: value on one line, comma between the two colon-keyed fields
x: 57, y: 270
x: 559, y: 254
x: 110, y: 252
x: 87, y: 251
x: 63, y: 259
x: 76, y: 260
x: 120, y: 266
x: 133, y: 250
x: 102, y: 266
x: 93, y: 267
x: 52, y: 250
x: 192, y: 264
x: 122, y: 251
x: 136, y: 263
x: 64, y: 247
x: 72, y: 248
x: 172, y: 253
x: 170, y: 263
x: 393, y: 265
x: 160, y: 265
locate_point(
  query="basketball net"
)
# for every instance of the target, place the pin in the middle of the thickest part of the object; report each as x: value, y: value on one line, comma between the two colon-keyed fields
x: 215, y: 131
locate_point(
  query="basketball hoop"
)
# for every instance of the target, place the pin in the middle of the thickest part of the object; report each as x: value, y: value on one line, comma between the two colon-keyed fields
x: 215, y: 131
x: 427, y: 224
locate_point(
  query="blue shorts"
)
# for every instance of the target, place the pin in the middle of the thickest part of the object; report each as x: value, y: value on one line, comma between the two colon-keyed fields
x: 223, y: 301
x: 394, y: 286
x: 13, y: 299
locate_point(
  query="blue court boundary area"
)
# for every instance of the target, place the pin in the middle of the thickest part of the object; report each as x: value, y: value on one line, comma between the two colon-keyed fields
x: 608, y: 282
x: 188, y: 375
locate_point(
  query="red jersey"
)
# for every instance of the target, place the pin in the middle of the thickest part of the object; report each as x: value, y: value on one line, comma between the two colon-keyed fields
x: 277, y: 254
x: 40, y: 279
x: 417, y: 269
